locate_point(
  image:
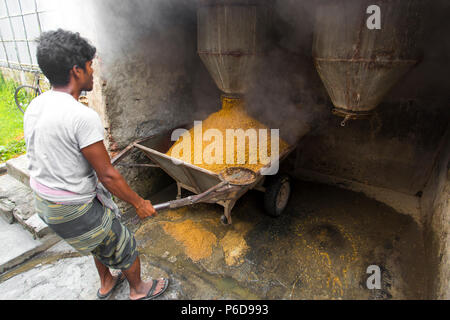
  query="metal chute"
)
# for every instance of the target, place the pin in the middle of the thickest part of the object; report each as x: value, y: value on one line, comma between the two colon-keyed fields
x: 359, y: 66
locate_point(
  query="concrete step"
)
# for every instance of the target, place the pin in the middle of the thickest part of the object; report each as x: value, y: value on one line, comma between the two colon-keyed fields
x: 34, y: 225
x: 7, y: 210
x: 22, y: 233
x: 18, y: 169
x: 22, y: 196
x: 17, y: 205
x: 18, y: 245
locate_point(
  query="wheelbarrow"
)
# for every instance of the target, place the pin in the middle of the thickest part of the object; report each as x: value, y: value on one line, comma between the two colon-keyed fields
x: 224, y: 189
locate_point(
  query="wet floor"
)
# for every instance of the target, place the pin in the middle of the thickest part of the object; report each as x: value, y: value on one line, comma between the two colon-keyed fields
x: 320, y: 248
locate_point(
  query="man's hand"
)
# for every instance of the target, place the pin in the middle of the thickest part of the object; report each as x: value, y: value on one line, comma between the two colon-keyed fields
x: 145, y: 210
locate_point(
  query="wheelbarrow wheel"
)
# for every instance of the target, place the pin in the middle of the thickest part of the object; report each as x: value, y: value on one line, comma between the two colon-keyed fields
x: 276, y: 197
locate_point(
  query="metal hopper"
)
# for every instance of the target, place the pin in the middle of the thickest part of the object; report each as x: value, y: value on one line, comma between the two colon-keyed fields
x: 360, y: 66
x: 231, y: 35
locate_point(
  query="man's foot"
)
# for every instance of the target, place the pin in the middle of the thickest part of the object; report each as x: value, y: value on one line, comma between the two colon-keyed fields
x: 150, y: 290
x: 109, y: 287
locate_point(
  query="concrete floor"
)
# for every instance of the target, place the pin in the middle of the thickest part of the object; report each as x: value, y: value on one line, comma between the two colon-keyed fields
x: 319, y: 249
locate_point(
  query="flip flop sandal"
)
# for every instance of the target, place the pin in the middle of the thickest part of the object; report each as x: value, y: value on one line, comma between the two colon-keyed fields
x: 150, y: 295
x: 121, y: 278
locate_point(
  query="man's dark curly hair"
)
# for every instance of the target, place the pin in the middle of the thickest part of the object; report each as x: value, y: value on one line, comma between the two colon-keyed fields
x: 59, y: 51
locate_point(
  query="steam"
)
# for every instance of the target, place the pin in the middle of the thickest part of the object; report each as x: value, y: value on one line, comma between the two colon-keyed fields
x: 284, y: 92
x: 147, y: 53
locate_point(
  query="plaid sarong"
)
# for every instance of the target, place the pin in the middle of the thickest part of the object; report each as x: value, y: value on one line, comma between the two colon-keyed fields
x: 119, y: 249
x: 91, y: 229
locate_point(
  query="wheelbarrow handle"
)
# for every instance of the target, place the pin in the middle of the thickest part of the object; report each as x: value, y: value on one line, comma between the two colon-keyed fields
x: 174, y: 204
x: 189, y: 200
x: 185, y: 201
x: 162, y: 206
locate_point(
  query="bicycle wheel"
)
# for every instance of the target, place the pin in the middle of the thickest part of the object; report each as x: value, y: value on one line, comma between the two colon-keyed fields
x: 24, y: 95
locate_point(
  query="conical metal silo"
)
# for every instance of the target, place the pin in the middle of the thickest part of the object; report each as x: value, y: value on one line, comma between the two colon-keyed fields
x: 358, y: 65
x: 231, y: 37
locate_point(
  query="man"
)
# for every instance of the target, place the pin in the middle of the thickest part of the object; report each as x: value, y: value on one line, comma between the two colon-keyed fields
x: 68, y: 159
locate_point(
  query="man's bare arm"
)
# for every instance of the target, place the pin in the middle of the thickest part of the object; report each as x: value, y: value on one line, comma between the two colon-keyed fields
x: 99, y: 159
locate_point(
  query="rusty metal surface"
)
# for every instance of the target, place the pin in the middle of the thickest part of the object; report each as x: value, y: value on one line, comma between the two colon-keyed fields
x: 359, y: 66
x: 230, y: 40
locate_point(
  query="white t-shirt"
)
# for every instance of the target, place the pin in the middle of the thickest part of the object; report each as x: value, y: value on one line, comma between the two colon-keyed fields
x: 57, y: 127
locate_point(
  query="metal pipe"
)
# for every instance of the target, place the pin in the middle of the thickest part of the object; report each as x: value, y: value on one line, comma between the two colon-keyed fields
x: 19, y: 65
x: 4, y: 48
x: 22, y: 67
x: 25, y: 31
x: 12, y: 31
x: 17, y: 40
x: 37, y: 16
x: 137, y: 165
x: 19, y: 15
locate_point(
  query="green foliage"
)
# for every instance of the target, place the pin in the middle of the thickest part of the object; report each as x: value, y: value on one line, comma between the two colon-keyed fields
x: 11, y: 122
x: 12, y: 149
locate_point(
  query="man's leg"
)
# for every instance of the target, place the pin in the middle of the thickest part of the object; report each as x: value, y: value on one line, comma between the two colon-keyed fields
x: 138, y: 288
x: 107, y: 281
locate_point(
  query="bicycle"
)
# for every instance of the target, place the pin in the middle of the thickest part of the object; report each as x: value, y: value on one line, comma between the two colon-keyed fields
x: 25, y: 94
